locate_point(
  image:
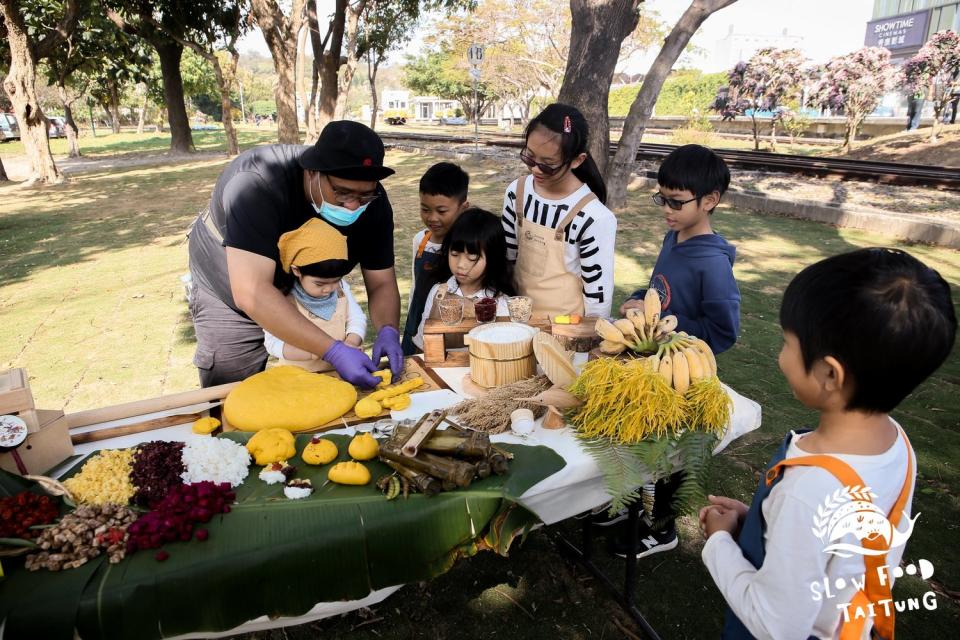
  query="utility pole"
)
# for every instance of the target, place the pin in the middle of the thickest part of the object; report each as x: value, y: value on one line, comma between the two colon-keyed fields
x: 475, y: 58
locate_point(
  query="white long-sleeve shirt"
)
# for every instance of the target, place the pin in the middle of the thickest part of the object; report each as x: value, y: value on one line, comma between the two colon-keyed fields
x: 785, y: 598
x: 590, y: 239
x: 454, y: 287
x: 356, y: 323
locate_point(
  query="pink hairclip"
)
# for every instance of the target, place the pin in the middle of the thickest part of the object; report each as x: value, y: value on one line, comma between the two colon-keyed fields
x: 567, y: 125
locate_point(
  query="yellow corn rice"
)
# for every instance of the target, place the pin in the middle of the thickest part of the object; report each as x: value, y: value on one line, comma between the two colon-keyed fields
x: 104, y: 478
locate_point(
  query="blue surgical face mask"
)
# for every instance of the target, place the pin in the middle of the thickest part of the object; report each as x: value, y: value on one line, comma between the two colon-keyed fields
x: 335, y: 214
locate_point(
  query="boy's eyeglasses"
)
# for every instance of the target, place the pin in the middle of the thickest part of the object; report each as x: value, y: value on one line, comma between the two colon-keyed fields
x: 344, y: 196
x: 545, y: 169
x: 659, y: 199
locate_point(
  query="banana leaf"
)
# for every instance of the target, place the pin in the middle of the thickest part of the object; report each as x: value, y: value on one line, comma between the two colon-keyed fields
x: 279, y: 557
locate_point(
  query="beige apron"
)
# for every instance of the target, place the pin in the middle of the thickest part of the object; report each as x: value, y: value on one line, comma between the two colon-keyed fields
x: 541, y: 266
x: 335, y: 327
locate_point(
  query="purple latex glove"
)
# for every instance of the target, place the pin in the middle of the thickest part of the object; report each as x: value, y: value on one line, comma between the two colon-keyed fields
x: 388, y: 344
x: 352, y: 364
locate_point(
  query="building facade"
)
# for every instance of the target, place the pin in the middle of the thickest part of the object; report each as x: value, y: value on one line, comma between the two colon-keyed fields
x: 903, y: 26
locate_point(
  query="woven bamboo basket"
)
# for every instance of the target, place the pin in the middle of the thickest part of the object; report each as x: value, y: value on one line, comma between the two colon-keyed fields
x: 501, y: 353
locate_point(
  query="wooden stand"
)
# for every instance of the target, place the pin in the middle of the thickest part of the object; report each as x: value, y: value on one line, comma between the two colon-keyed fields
x: 439, y: 338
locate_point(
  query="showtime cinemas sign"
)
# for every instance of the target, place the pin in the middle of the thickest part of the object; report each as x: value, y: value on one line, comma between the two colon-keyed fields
x: 898, y: 32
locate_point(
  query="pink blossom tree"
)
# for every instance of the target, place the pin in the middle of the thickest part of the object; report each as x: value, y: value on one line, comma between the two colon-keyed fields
x: 933, y: 73
x: 854, y: 84
x: 763, y: 83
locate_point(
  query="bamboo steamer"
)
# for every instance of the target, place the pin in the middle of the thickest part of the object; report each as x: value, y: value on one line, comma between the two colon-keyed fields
x: 501, y: 353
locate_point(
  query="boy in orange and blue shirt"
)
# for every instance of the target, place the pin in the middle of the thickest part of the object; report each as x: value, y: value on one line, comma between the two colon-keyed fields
x: 443, y: 197
x: 816, y: 553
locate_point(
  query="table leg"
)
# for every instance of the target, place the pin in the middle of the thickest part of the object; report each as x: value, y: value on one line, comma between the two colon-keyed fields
x: 625, y: 598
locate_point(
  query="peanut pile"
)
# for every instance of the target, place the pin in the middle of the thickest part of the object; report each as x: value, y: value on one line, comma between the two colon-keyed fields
x: 83, y: 535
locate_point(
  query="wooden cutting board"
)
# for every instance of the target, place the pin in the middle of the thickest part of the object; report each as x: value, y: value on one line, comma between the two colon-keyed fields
x: 414, y: 367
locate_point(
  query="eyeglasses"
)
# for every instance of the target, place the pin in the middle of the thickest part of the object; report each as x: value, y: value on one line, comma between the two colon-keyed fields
x: 344, y: 196
x: 659, y: 199
x: 545, y: 169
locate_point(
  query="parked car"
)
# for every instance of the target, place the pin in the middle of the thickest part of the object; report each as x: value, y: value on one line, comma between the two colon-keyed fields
x: 9, y: 129
x: 455, y: 120
x: 57, y: 127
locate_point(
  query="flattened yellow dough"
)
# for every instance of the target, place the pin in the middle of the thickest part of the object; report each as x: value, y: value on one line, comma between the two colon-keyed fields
x: 287, y: 397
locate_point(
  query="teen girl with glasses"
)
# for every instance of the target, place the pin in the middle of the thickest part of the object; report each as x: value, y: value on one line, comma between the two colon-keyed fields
x: 558, y: 229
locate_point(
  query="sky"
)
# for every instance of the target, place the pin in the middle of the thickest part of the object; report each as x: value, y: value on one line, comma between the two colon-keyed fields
x: 828, y: 27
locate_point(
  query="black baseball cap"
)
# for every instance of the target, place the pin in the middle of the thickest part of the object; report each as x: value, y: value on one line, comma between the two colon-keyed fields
x: 348, y: 150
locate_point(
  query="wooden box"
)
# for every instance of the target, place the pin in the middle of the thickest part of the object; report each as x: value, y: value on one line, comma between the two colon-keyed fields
x: 43, y: 450
x: 15, y: 395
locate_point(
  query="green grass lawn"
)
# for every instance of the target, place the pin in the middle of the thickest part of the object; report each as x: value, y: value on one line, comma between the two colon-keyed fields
x: 91, y: 304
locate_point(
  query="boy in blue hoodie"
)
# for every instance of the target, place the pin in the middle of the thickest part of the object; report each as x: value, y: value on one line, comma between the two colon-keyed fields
x: 694, y: 271
x: 694, y: 277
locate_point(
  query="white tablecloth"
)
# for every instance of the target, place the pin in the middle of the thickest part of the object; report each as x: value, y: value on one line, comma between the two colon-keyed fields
x: 574, y: 489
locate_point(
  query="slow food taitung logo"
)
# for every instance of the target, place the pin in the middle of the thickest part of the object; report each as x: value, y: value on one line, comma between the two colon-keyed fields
x: 850, y: 510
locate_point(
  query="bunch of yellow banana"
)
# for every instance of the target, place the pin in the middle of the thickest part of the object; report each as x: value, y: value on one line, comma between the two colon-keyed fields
x: 683, y: 360
x: 678, y: 357
x: 642, y: 331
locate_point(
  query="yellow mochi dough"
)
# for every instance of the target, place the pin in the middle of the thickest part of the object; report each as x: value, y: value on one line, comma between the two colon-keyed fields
x: 287, y: 397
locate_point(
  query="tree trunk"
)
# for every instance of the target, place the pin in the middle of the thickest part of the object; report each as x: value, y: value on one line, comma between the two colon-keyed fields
x: 618, y: 175
x: 170, y: 52
x: 599, y: 28
x: 373, y: 63
x: 302, y: 38
x: 756, y: 130
x: 142, y: 112
x: 20, y: 85
x: 3, y: 172
x: 226, y: 105
x: 773, y: 136
x: 115, y: 106
x: 330, y: 66
x: 70, y: 125
x: 280, y: 34
x: 346, y: 75
x: 161, y: 114
x: 313, y: 132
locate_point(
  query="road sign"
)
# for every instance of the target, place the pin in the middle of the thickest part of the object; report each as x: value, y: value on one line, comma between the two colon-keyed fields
x: 475, y: 55
x: 475, y: 73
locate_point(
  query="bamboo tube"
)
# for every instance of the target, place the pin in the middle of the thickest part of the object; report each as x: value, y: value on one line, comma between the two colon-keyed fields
x: 498, y: 462
x: 457, y: 471
x: 427, y: 485
x: 469, y: 444
x: 484, y: 469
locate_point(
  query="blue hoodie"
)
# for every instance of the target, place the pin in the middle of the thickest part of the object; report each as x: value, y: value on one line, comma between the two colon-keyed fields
x: 696, y: 284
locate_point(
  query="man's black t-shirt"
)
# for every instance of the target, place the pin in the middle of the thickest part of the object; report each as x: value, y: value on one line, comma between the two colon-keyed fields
x: 260, y: 196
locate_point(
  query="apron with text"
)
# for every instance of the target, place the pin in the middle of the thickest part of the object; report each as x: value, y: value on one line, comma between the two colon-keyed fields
x: 335, y: 327
x: 751, y: 541
x: 423, y: 265
x: 541, y: 266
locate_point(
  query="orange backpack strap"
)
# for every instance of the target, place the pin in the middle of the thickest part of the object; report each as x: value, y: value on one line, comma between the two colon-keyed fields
x: 423, y: 243
x: 518, y: 201
x: 873, y: 591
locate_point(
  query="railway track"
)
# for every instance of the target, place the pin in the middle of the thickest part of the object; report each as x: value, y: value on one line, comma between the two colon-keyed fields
x: 866, y: 170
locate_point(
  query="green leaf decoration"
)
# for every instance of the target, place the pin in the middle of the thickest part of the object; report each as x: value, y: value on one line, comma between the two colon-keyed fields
x: 626, y: 468
x: 279, y: 557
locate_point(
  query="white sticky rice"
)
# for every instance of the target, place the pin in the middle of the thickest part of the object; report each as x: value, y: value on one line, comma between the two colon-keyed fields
x: 301, y: 489
x: 214, y: 459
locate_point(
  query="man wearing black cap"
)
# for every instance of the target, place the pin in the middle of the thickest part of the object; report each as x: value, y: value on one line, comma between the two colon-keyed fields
x: 235, y: 262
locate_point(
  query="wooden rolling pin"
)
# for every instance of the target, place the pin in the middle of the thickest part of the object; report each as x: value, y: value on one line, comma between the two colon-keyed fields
x: 137, y: 427
x: 151, y: 405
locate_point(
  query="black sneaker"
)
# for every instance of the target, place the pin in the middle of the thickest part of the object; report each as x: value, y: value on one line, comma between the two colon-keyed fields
x: 649, y: 541
x: 600, y: 517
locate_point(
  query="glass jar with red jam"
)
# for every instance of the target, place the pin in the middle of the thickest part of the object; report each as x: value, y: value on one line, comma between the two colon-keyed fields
x: 485, y: 309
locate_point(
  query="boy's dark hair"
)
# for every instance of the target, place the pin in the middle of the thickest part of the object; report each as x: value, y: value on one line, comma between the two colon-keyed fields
x: 572, y: 143
x: 884, y: 315
x: 445, y: 179
x: 695, y: 168
x: 478, y: 231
